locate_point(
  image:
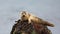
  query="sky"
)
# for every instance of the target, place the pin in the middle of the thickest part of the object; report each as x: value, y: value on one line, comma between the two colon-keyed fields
x: 48, y: 10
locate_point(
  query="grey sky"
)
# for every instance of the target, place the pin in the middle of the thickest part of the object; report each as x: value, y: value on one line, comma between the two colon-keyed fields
x: 45, y: 9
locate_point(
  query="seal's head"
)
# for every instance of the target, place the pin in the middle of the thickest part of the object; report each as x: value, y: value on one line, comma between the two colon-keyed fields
x: 25, y: 15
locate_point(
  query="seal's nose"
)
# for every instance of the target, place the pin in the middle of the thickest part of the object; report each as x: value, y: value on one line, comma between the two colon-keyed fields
x: 23, y: 16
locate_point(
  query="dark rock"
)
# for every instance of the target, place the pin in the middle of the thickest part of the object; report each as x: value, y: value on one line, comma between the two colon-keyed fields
x: 23, y: 27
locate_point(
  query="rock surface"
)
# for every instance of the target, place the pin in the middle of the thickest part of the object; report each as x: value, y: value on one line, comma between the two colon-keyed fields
x: 22, y: 27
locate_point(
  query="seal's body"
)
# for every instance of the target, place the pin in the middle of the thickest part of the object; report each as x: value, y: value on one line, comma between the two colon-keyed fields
x: 31, y: 18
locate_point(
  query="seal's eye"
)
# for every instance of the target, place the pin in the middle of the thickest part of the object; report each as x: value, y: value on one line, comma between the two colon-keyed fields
x: 24, y: 12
